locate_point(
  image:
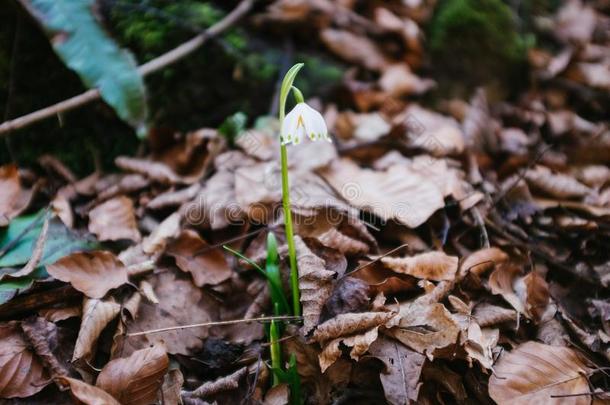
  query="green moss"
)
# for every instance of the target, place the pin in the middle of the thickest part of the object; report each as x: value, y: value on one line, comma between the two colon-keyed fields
x: 476, y: 41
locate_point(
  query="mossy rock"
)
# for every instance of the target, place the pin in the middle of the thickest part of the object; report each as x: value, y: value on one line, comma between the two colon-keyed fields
x: 476, y: 42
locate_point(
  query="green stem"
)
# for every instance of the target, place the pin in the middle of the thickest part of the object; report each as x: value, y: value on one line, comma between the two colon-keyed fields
x: 276, y: 353
x: 294, y: 273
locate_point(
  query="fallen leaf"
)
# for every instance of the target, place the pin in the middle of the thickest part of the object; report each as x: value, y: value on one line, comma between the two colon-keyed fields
x: 226, y: 383
x: 155, y: 171
x: 397, y: 193
x: 14, y: 199
x: 358, y: 342
x: 403, y: 368
x: 352, y: 323
x: 96, y: 315
x: 435, y: 133
x: 192, y: 254
x: 556, y: 185
x: 114, y: 220
x: 436, y: 266
x: 492, y: 315
x: 398, y: 80
x: 426, y: 328
x: 88, y: 394
x: 349, y: 295
x: 135, y: 379
x: 156, y: 242
x: 479, y: 344
x: 575, y: 22
x: 315, y: 284
x: 482, y: 260
x: 21, y: 372
x: 535, y: 372
x: 384, y: 280
x: 354, y: 48
x: 172, y: 387
x: 60, y: 314
x: 180, y: 303
x: 528, y: 294
x: 173, y: 198
x: 277, y: 395
x: 92, y: 273
x: 36, y: 252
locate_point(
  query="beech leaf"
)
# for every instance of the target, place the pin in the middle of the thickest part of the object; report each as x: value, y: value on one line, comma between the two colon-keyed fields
x: 535, y: 373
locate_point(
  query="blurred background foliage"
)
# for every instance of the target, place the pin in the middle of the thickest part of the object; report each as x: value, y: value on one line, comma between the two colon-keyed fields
x: 470, y: 42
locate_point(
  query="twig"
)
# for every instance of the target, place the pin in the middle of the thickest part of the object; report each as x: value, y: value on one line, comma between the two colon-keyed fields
x: 152, y: 66
x: 375, y: 260
x: 219, y: 323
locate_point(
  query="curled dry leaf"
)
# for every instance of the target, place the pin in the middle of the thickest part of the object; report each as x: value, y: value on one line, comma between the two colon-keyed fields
x: 88, y: 394
x: 155, y: 171
x: 359, y: 343
x: 207, y: 266
x: 13, y: 199
x: 92, y: 273
x: 397, y: 193
x: 528, y: 294
x: 557, y: 185
x: 174, y: 198
x: 216, y: 205
x: 226, y: 383
x: 96, y: 315
x: 482, y: 260
x: 315, y: 283
x: 353, y: 323
x: 60, y: 314
x: 382, y: 280
x: 538, y: 373
x: 114, y: 220
x: 436, y: 266
x: 480, y: 343
x: 403, y: 367
x: 156, y: 242
x: 43, y: 338
x: 135, y: 379
x: 21, y: 372
x: 493, y: 315
x: 172, y: 387
x: 426, y: 328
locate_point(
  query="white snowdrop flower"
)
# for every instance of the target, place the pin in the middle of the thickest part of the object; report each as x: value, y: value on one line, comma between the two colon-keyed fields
x: 303, y: 121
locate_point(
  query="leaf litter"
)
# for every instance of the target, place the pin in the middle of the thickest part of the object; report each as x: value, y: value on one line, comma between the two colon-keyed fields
x: 500, y: 209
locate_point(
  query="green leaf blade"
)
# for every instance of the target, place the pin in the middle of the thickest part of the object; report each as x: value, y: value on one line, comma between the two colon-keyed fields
x: 84, y: 47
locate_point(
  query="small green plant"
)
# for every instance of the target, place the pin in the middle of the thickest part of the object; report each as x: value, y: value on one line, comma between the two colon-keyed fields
x: 280, y: 305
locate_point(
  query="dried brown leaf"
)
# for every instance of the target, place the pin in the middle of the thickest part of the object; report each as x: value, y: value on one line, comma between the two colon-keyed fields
x: 493, y: 315
x: 216, y: 205
x: 426, y: 328
x: 359, y: 343
x: 557, y: 185
x: 349, y: 324
x: 397, y: 193
x: 156, y: 242
x: 435, y: 133
x: 528, y: 294
x: 354, y: 48
x: 172, y: 387
x: 403, y: 367
x: 155, y: 171
x: 60, y: 314
x: 174, y: 198
x: 88, y: 394
x: 21, y: 372
x: 207, y: 266
x: 42, y: 336
x: 92, y: 273
x: 96, y: 315
x: 436, y: 266
x: 114, y: 220
x: 277, y: 395
x: 535, y: 373
x: 482, y: 260
x: 226, y: 383
x: 13, y: 199
x: 315, y: 283
x: 135, y: 379
x: 180, y: 303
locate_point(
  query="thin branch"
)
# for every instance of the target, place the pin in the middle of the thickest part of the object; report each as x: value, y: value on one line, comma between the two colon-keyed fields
x: 149, y: 67
x: 219, y: 323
